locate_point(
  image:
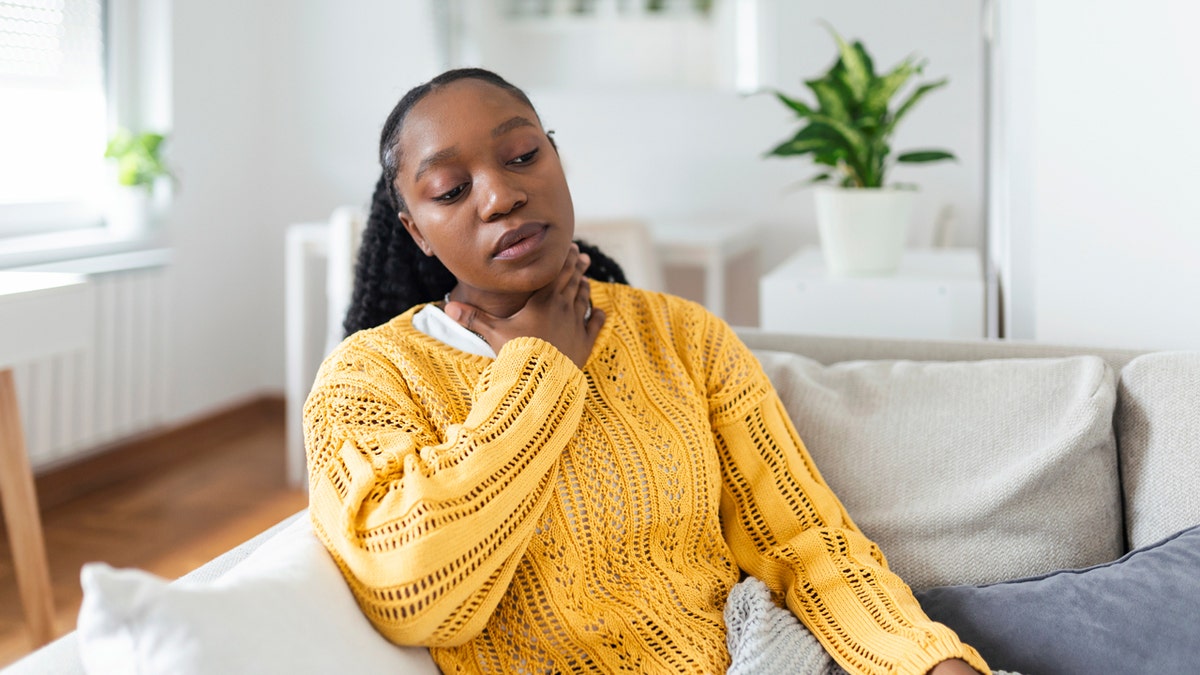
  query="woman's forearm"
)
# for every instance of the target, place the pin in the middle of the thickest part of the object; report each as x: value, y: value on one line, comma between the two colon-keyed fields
x: 429, y: 534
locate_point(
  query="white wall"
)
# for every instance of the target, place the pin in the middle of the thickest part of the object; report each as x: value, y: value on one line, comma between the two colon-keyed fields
x: 277, y: 109
x: 217, y: 233
x: 334, y: 73
x: 1104, y: 240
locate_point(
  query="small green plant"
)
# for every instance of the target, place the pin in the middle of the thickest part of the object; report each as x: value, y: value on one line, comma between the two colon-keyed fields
x: 138, y: 157
x: 852, y: 123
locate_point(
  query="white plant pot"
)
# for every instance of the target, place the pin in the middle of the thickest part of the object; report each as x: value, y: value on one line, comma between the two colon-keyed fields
x: 863, y: 230
x: 128, y: 211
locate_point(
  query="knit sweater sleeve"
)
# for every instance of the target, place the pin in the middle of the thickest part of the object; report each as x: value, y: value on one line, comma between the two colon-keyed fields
x: 787, y: 528
x: 429, y: 530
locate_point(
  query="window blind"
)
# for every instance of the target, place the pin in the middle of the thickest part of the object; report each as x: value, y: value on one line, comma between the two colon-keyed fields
x: 52, y: 110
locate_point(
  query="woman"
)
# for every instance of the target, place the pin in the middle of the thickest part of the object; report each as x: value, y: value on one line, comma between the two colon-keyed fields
x: 533, y: 471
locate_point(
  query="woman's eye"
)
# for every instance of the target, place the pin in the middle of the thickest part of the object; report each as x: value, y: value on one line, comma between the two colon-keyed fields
x: 451, y: 195
x: 525, y: 158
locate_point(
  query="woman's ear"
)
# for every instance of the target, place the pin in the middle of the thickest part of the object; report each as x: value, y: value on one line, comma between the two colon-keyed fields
x: 415, y: 233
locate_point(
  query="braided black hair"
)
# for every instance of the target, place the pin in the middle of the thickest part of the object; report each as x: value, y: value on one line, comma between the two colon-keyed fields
x: 393, y: 274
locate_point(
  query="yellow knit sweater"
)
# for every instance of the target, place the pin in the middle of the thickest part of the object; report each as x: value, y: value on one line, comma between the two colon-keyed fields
x: 523, y: 515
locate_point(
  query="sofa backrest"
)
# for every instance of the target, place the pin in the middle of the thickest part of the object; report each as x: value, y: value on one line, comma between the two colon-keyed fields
x: 832, y: 349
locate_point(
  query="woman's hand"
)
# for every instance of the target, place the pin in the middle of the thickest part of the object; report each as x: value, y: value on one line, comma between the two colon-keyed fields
x: 953, y: 667
x: 561, y: 314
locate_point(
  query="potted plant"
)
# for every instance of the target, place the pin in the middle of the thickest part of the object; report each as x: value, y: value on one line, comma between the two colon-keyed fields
x: 861, y: 220
x: 139, y: 171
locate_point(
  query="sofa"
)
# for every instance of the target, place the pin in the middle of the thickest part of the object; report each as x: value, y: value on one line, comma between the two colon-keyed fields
x: 1042, y: 500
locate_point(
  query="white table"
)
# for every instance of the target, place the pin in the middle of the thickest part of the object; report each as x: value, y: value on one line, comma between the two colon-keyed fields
x: 936, y: 294
x: 709, y: 245
x: 40, y: 314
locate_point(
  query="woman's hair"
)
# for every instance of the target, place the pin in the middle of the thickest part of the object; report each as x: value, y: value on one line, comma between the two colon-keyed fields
x: 392, y: 273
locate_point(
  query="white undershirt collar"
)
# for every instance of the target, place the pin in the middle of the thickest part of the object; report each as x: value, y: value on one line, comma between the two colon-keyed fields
x: 432, y: 321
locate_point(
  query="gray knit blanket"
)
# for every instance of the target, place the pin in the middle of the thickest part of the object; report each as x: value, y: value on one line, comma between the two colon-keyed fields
x: 765, y: 639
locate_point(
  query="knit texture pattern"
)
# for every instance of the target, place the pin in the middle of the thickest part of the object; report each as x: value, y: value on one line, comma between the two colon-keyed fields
x: 765, y: 639
x: 519, y: 514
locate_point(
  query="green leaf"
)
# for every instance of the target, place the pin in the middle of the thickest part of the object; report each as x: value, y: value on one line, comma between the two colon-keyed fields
x: 137, y: 156
x: 868, y: 62
x: 820, y: 178
x: 831, y: 157
x: 819, y: 130
x: 150, y: 143
x: 800, y: 107
x: 832, y: 97
x: 119, y: 144
x: 912, y: 100
x: 817, y: 138
x: 857, y: 71
x: 882, y: 89
x: 795, y: 147
x: 127, y: 173
x: 920, y: 156
x: 856, y: 144
x: 875, y: 166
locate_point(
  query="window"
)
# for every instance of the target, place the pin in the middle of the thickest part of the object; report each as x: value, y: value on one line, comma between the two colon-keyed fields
x: 52, y: 114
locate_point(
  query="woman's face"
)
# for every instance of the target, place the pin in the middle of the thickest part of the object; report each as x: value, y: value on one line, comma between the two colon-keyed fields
x: 485, y: 190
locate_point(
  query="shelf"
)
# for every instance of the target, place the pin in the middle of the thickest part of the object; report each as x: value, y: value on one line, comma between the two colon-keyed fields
x: 935, y: 294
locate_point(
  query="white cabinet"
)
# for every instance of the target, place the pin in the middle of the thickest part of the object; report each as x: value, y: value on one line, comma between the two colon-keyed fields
x: 936, y: 294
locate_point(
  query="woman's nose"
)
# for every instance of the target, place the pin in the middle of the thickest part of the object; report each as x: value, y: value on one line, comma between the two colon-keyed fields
x: 501, y: 196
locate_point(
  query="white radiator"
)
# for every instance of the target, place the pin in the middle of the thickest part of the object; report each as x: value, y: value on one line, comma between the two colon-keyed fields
x: 75, y: 402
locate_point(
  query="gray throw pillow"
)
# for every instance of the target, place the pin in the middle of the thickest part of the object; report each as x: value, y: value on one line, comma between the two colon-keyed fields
x: 965, y: 472
x: 1158, y: 424
x: 1139, y: 614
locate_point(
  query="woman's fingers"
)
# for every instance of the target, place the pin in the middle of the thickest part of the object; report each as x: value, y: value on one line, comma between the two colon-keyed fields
x: 583, y: 300
x: 569, y: 271
x: 576, y: 281
x: 570, y: 290
x: 594, y: 323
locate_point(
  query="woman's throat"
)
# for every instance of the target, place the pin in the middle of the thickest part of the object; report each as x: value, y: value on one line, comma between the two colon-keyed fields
x: 499, y: 305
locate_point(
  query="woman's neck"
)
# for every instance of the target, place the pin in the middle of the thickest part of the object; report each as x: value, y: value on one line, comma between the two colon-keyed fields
x: 501, y: 305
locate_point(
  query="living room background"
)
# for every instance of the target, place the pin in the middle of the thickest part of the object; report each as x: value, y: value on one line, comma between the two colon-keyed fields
x: 275, y: 109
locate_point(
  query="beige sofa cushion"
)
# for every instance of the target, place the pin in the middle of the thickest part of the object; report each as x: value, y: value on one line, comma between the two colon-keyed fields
x: 965, y: 472
x: 1158, y: 424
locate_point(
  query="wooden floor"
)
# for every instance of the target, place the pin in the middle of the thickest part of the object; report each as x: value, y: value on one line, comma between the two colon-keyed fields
x: 222, y: 484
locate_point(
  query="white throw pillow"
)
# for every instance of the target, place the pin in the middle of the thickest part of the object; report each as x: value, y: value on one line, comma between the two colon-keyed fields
x: 284, y: 609
x: 965, y: 472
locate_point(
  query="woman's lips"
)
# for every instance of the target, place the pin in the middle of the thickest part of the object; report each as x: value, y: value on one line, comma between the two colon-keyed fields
x: 521, y: 241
